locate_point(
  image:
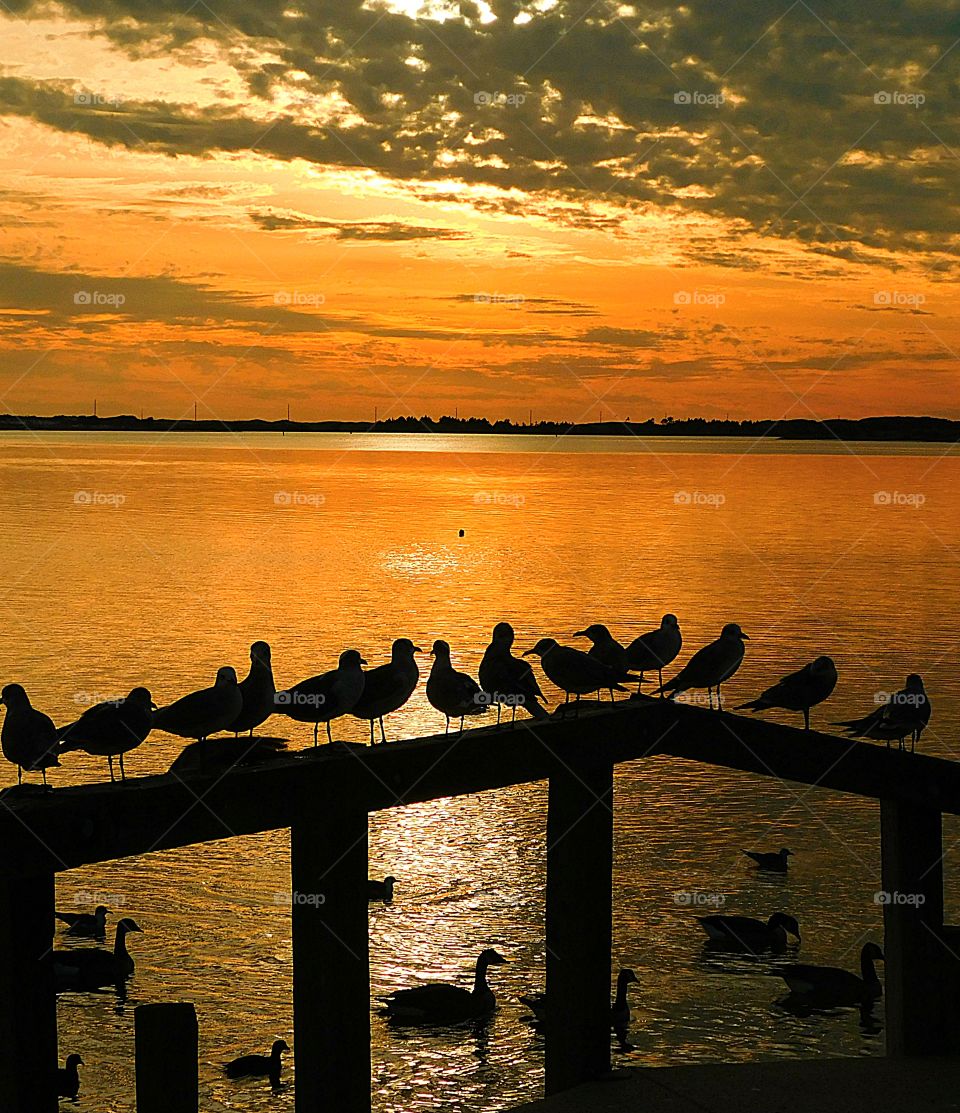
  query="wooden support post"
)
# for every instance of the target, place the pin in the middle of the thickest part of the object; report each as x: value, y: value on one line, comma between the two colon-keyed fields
x: 331, y: 965
x: 921, y: 970
x: 578, y: 924
x: 28, y: 1004
x: 167, y: 1054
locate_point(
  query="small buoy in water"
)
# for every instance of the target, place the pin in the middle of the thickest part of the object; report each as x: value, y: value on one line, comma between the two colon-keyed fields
x: 462, y: 533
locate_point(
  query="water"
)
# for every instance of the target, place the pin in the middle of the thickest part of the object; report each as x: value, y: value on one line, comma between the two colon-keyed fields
x: 132, y: 559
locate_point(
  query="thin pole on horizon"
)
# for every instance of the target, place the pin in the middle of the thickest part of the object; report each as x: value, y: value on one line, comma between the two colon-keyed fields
x: 94, y: 407
x: 194, y: 411
x: 376, y: 414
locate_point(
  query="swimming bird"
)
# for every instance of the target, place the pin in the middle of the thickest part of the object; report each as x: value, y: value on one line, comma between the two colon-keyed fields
x: 711, y: 665
x: 68, y: 1077
x: 905, y: 714
x: 775, y: 863
x: 605, y: 648
x: 657, y: 648
x: 86, y: 923
x: 205, y: 712
x: 509, y: 680
x: 111, y: 729
x: 381, y: 890
x: 620, y: 1009
x: 259, y: 1066
x: 574, y: 672
x: 440, y: 1003
x: 454, y: 694
x: 388, y: 687
x: 28, y: 738
x: 829, y: 985
x: 92, y: 967
x: 799, y: 691
x: 754, y: 935
x: 257, y: 690
x: 326, y: 697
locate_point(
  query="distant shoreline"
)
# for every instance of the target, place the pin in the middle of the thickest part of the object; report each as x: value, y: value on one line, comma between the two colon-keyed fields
x: 920, y: 429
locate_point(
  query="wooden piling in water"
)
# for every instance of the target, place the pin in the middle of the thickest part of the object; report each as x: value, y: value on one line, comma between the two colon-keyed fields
x: 28, y: 1018
x: 331, y: 964
x: 578, y: 924
x: 167, y: 1051
x: 921, y: 967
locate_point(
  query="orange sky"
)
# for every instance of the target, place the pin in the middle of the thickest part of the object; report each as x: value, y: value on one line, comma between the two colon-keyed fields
x: 554, y: 206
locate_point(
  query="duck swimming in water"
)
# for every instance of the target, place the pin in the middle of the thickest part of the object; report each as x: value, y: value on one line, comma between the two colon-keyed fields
x: 259, y: 1066
x: 82, y: 968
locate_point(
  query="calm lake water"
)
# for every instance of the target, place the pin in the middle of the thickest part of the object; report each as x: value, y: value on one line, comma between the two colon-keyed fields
x: 133, y: 560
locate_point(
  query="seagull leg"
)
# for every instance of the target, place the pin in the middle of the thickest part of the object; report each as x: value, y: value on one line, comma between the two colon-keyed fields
x: 446, y: 729
x: 719, y: 704
x: 110, y: 764
x: 329, y: 735
x: 499, y: 708
x: 710, y: 696
x: 806, y: 718
x: 43, y: 773
x: 316, y: 731
x: 660, y: 674
x: 19, y: 774
x: 123, y: 775
x: 371, y: 732
x: 383, y: 737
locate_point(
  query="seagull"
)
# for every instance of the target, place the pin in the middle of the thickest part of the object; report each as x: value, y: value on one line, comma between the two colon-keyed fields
x: 388, y: 687
x: 605, y: 648
x: 799, y: 691
x: 656, y: 649
x: 326, y: 697
x: 574, y: 671
x: 257, y: 690
x: 907, y: 712
x: 454, y: 694
x: 775, y: 863
x: 205, y: 712
x: 28, y: 738
x: 507, y: 679
x: 259, y: 1066
x: 710, y: 666
x: 112, y: 728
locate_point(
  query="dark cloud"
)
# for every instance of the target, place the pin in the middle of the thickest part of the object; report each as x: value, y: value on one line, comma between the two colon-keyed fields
x: 820, y: 134
x: 272, y: 220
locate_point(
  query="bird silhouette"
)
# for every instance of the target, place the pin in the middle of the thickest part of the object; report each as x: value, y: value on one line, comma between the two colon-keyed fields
x: 111, y: 729
x: 508, y: 680
x: 710, y: 666
x: 657, y: 648
x: 28, y: 738
x: 387, y: 688
x: 799, y: 691
x: 454, y: 694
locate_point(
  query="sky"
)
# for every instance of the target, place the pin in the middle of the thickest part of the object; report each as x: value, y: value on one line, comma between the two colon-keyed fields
x: 570, y: 209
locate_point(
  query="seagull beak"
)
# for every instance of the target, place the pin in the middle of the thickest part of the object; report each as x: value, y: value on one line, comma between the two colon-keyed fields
x: 417, y: 649
x: 529, y: 653
x: 153, y: 706
x: 362, y: 662
x: 744, y: 636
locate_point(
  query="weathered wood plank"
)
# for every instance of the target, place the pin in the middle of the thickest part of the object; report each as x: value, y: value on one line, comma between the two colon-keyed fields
x: 93, y: 823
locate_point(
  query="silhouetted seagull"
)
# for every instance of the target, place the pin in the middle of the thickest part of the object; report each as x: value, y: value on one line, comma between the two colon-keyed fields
x: 388, y: 687
x: 774, y: 863
x: 68, y: 1078
x: 111, y: 729
x: 326, y: 697
x: 656, y: 649
x: 574, y: 672
x: 259, y: 1066
x: 906, y: 713
x: 605, y: 648
x: 205, y: 712
x: 454, y: 694
x: 28, y: 738
x: 83, y: 968
x: 507, y: 679
x: 832, y: 986
x: 257, y: 690
x: 751, y: 934
x: 710, y: 666
x: 799, y: 691
x: 92, y: 924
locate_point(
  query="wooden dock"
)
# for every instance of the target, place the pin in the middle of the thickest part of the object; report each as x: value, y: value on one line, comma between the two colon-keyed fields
x: 324, y: 796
